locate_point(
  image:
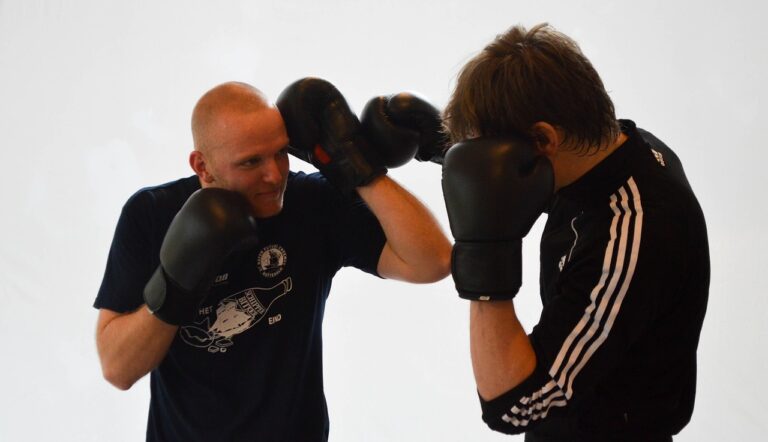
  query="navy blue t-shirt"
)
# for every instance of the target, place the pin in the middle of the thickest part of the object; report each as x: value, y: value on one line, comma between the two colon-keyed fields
x: 249, y: 368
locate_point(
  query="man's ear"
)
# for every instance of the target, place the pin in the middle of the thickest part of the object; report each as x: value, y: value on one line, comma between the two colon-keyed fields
x: 199, y: 164
x: 547, y: 137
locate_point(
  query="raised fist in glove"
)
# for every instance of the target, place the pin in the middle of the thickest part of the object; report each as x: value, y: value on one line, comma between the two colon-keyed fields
x: 322, y: 130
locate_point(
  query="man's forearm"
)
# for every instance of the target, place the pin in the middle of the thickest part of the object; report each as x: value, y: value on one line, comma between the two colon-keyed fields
x: 502, y: 355
x: 131, y: 345
x: 417, y: 250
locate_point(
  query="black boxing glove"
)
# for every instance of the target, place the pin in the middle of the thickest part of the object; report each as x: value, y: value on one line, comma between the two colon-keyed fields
x: 494, y: 191
x: 402, y: 126
x: 323, y: 131
x: 211, y: 224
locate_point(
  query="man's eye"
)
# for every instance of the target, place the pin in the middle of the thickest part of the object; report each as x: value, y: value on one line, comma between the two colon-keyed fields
x: 251, y: 162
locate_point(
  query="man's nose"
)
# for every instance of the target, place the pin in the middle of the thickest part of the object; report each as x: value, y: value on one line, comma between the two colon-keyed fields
x: 272, y: 172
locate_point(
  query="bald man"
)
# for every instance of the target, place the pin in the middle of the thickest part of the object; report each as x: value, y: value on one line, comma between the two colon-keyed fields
x: 246, y: 364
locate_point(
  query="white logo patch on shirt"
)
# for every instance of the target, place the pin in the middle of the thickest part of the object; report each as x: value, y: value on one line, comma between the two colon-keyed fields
x: 272, y: 259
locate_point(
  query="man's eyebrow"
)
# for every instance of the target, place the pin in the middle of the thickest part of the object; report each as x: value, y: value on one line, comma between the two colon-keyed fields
x: 248, y: 158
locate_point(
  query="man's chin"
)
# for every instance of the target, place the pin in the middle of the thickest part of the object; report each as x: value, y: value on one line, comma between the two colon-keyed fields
x: 267, y: 212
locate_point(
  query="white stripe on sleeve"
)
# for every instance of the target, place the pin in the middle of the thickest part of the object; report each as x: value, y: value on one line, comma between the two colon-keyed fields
x: 624, y: 243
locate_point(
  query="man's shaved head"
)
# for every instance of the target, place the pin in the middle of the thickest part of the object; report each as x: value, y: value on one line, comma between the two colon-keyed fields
x: 225, y: 98
x: 241, y: 145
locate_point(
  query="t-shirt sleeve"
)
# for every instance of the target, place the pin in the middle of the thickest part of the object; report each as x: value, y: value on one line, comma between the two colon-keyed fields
x: 352, y: 233
x: 357, y: 235
x: 132, y: 258
x: 607, y: 297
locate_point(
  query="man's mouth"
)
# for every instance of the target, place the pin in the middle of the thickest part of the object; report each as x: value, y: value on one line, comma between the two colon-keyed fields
x: 269, y: 193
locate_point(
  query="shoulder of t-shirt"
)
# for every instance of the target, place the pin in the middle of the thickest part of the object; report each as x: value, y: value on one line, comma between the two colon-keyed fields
x: 309, y: 190
x: 172, y: 195
x: 307, y: 181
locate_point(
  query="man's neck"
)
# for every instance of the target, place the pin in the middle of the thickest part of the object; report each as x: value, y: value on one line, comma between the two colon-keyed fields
x: 570, y: 165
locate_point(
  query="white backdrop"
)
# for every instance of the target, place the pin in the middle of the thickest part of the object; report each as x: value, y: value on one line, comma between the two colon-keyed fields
x: 95, y: 101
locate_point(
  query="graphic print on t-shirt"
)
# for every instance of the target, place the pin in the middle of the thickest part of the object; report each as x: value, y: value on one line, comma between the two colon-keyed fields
x: 234, y: 315
x: 272, y: 260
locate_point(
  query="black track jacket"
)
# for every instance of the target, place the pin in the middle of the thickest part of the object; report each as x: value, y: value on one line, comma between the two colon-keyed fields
x: 624, y: 285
